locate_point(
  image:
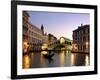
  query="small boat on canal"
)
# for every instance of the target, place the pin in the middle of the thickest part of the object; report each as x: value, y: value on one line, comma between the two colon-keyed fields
x: 47, y: 54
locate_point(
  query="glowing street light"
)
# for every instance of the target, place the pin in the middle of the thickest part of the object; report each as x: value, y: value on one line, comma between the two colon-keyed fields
x: 25, y: 48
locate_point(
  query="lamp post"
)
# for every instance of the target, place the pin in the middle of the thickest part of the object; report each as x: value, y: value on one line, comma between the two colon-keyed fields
x: 25, y: 48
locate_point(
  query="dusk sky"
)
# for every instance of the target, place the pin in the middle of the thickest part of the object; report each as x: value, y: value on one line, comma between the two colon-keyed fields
x: 59, y: 24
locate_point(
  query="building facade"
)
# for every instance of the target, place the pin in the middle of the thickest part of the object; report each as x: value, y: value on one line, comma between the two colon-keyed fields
x: 51, y: 39
x: 25, y: 31
x: 81, y: 39
x: 33, y: 36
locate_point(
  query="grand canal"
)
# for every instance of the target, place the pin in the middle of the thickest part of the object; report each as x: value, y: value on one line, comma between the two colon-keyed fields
x: 60, y: 59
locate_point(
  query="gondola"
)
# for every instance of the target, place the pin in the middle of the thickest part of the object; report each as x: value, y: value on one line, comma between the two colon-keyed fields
x: 49, y: 55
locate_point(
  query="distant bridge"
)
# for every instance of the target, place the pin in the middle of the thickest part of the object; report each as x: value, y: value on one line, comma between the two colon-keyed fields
x: 57, y: 45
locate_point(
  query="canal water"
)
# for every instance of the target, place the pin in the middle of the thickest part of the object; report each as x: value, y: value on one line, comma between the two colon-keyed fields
x: 60, y: 59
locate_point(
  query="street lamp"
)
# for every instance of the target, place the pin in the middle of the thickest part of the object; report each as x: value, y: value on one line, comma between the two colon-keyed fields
x: 25, y: 48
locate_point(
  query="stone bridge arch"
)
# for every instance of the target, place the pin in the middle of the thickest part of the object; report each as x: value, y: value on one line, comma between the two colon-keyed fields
x: 61, y: 43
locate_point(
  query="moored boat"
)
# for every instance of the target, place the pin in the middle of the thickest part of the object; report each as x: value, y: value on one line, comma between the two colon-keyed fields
x: 48, y: 55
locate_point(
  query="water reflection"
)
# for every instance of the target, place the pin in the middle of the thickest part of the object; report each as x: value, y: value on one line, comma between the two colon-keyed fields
x: 72, y: 59
x: 60, y: 59
x: 42, y: 60
x: 26, y: 61
x: 87, y: 60
x: 79, y: 59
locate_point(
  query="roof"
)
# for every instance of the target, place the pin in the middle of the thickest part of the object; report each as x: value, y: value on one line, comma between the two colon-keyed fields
x: 26, y: 13
x: 81, y: 27
x: 67, y: 39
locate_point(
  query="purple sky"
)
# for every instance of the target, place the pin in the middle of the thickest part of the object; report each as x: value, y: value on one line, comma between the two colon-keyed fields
x: 59, y: 24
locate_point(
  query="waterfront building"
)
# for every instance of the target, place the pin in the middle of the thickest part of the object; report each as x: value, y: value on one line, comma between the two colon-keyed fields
x: 32, y: 35
x: 51, y: 39
x: 81, y: 39
x: 25, y: 31
x: 35, y: 37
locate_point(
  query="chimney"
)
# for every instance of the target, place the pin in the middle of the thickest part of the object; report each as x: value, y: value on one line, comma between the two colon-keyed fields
x: 81, y: 25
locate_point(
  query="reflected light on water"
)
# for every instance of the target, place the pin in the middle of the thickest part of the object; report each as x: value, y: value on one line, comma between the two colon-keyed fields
x: 72, y: 59
x: 43, y: 52
x: 87, y: 60
x: 26, y: 61
x: 42, y: 60
x: 62, y: 58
